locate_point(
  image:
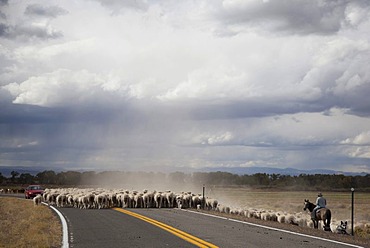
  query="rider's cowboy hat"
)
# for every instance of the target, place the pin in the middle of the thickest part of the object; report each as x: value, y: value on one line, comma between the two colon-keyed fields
x: 319, y: 194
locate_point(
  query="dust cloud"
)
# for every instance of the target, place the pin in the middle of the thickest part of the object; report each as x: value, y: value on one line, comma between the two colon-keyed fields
x: 139, y: 181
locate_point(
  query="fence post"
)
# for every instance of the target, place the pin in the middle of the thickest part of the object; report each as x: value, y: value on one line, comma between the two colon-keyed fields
x: 352, y: 210
x: 204, y: 199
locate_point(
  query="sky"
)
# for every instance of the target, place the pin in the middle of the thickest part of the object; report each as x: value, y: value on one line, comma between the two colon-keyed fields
x: 145, y: 84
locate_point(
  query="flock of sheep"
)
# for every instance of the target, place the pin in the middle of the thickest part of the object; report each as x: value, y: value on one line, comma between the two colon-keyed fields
x: 8, y: 191
x: 106, y: 198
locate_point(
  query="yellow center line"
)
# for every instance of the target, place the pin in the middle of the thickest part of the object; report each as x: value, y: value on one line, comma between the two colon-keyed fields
x: 183, y: 235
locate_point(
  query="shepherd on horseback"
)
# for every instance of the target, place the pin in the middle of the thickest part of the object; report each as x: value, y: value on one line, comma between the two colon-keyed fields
x: 319, y: 212
x: 320, y: 203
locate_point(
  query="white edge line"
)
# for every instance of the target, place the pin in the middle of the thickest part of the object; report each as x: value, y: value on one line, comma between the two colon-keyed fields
x: 65, y: 243
x: 275, y: 229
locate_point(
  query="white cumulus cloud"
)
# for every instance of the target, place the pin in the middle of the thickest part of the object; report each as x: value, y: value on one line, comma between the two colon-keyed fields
x: 361, y: 139
x: 58, y: 88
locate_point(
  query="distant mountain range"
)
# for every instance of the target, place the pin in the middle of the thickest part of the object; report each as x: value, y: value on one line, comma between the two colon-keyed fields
x: 6, y: 170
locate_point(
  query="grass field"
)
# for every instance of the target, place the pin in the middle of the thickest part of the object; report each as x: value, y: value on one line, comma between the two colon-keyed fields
x: 292, y: 201
x: 26, y: 225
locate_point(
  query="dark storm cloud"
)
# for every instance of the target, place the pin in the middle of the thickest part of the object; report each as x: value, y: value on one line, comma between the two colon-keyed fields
x: 27, y: 29
x: 24, y: 113
x: 298, y: 17
x: 47, y: 11
x: 48, y: 136
x: 356, y: 102
x: 259, y: 107
x: 4, y: 30
x: 3, y: 3
x: 28, y: 32
x: 41, y: 32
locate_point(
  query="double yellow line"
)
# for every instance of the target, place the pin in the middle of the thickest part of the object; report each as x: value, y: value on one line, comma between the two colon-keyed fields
x: 183, y: 235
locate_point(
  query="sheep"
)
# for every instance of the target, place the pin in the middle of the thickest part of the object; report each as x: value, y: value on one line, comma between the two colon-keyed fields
x: 290, y: 219
x: 252, y: 213
x: 139, y: 201
x: 84, y: 201
x: 280, y: 218
x: 70, y: 200
x: 148, y: 199
x: 195, y: 201
x: 61, y: 200
x: 101, y: 201
x: 273, y: 217
x: 211, y: 204
x: 76, y: 202
x: 223, y: 209
x: 265, y: 216
x: 179, y: 201
x: 51, y: 198
x: 112, y: 200
x: 186, y: 200
x: 37, y: 200
x: 170, y: 198
x: 125, y: 199
x: 131, y: 199
x: 158, y: 199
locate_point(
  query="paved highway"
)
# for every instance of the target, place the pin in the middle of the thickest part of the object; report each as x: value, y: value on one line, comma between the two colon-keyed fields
x: 111, y: 228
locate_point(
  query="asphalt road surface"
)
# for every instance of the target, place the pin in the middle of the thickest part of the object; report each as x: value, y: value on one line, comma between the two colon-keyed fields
x: 111, y: 228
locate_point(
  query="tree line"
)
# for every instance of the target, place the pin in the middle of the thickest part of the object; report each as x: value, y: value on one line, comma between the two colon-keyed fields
x: 258, y: 180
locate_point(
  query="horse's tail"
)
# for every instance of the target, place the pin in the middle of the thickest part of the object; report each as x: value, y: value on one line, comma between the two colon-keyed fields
x: 328, y: 217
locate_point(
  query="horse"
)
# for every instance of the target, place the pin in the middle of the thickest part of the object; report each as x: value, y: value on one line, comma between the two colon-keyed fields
x: 323, y: 214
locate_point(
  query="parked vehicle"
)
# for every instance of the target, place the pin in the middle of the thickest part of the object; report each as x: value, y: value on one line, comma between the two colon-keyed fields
x: 33, y: 190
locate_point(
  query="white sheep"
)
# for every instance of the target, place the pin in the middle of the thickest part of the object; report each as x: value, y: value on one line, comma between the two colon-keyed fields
x: 158, y: 199
x: 125, y: 199
x: 186, y: 199
x: 139, y: 201
x: 61, y: 200
x: 223, y: 209
x: 148, y: 199
x: 101, y: 201
x: 195, y: 201
x: 211, y: 204
x: 170, y: 199
x: 37, y: 200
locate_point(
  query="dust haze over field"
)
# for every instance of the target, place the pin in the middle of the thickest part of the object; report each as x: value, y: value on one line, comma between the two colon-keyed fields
x: 135, y: 85
x: 140, y: 181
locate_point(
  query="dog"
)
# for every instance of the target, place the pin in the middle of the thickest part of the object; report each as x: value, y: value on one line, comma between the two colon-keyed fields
x: 342, y: 228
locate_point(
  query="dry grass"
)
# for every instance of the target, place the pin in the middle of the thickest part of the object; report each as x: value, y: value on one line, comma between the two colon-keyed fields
x: 26, y: 225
